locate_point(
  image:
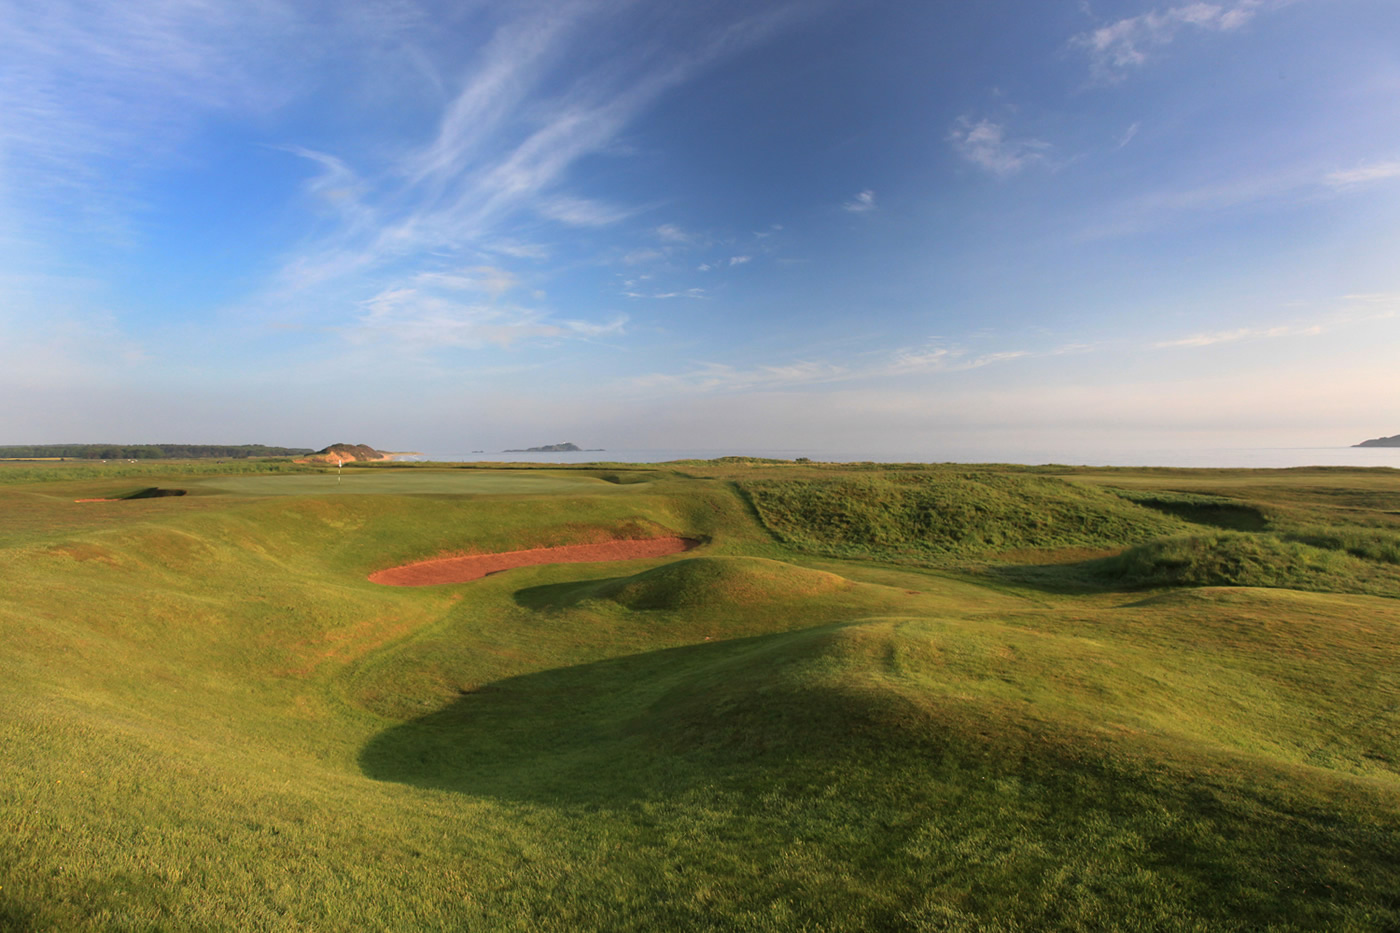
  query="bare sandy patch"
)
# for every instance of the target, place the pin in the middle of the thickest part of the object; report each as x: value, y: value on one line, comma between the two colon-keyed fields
x: 476, y: 566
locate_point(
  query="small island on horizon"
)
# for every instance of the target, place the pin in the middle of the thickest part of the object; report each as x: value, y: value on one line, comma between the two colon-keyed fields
x: 566, y: 447
x: 1393, y: 441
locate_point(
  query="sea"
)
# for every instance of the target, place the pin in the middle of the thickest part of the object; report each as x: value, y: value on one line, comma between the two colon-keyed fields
x: 1214, y: 457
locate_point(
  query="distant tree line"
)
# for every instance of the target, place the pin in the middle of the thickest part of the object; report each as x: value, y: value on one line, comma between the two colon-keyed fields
x: 148, y: 451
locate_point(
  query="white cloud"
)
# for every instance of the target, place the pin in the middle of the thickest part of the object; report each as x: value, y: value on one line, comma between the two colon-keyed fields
x: 1390, y: 298
x: 1242, y: 333
x: 420, y: 320
x: 489, y: 279
x: 671, y: 233
x: 582, y: 212
x: 1376, y: 171
x: 739, y: 260
x: 938, y: 358
x: 985, y: 145
x: 687, y: 293
x: 904, y: 361
x: 505, y: 146
x: 1127, y: 43
x: 861, y: 203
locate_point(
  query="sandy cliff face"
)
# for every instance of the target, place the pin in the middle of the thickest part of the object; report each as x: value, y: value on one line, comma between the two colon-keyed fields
x: 346, y: 453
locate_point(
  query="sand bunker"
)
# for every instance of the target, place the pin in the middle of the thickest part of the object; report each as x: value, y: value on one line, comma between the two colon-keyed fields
x: 462, y: 569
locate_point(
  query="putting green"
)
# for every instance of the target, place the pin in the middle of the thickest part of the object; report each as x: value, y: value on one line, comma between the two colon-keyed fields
x: 401, y: 482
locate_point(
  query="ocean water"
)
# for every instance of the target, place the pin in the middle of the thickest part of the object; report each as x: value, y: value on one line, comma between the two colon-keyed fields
x: 1220, y: 457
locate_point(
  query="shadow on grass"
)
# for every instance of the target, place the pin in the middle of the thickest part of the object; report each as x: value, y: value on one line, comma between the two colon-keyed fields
x: 1076, y: 578
x: 1224, y: 515
x: 740, y: 713
x: 736, y: 733
x: 588, y: 734
x: 564, y: 595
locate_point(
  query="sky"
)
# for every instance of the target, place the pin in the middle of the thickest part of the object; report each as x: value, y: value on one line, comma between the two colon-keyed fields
x: 874, y: 226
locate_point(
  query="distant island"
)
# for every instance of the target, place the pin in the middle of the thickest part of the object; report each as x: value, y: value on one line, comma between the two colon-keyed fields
x: 566, y: 447
x: 1380, y: 442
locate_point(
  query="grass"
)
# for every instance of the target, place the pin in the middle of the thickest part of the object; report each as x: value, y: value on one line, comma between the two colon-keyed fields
x: 402, y: 482
x: 833, y: 715
x: 1234, y: 559
x: 927, y: 515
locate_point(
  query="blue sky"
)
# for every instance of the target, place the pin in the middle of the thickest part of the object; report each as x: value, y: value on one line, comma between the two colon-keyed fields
x: 881, y: 226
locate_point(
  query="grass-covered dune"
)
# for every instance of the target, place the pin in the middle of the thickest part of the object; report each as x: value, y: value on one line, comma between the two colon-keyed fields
x: 924, y: 698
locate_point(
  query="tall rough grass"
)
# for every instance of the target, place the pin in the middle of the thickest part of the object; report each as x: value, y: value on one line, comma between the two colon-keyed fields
x: 1238, y: 559
x: 933, y: 514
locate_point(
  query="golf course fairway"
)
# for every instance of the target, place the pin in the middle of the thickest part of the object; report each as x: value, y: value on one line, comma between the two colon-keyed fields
x: 854, y: 697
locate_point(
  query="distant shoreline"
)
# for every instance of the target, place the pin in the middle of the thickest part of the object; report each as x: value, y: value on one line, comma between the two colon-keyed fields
x: 1238, y: 458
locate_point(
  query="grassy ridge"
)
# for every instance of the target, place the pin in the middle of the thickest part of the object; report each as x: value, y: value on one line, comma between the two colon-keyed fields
x: 1235, y: 559
x: 213, y: 720
x: 929, y: 515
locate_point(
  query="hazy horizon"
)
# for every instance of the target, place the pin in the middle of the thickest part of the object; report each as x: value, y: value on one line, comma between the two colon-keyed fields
x: 821, y: 225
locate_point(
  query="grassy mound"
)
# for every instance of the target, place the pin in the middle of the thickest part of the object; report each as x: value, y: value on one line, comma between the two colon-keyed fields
x: 948, y: 513
x: 1237, y: 559
x: 1368, y: 543
x: 715, y: 582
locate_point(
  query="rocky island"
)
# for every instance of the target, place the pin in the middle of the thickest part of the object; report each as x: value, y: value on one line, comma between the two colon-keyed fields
x: 565, y: 447
x: 1380, y: 442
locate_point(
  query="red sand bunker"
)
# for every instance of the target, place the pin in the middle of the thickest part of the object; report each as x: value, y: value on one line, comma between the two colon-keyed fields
x: 462, y: 569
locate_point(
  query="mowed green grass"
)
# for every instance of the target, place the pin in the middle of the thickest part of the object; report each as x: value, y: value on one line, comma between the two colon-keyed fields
x: 212, y: 720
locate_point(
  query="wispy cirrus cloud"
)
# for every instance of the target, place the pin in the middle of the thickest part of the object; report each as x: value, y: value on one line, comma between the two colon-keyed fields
x: 986, y: 145
x: 1242, y: 333
x: 1116, y: 47
x: 91, y: 92
x: 670, y: 233
x: 508, y: 140
x: 1297, y: 183
x: 583, y: 212
x: 934, y: 357
x: 504, y: 149
x: 949, y: 357
x: 88, y: 80
x: 697, y: 293
x: 1364, y: 174
x: 1357, y: 309
x: 431, y: 315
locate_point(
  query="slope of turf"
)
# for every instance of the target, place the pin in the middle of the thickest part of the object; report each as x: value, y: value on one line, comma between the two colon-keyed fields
x: 1234, y: 559
x: 929, y: 515
x: 212, y: 720
x: 701, y: 583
